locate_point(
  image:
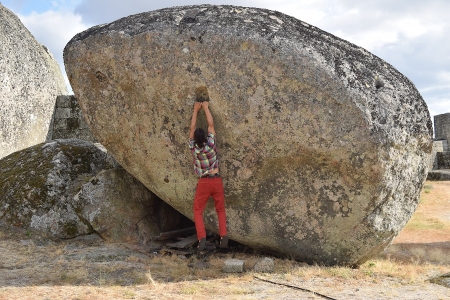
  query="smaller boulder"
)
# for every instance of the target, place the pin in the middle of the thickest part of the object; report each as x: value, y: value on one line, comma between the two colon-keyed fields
x: 266, y: 265
x: 233, y: 266
x: 37, y: 186
x: 67, y: 188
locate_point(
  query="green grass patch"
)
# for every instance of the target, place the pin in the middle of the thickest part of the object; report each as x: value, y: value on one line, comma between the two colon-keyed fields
x: 427, y: 188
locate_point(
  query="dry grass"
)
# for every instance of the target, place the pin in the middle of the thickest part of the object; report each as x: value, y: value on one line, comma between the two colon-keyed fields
x: 425, y: 218
x: 406, y: 272
x: 174, y: 269
x: 171, y: 277
x: 421, y: 221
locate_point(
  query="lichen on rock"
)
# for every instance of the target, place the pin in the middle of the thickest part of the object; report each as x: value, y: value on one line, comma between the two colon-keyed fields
x: 67, y: 188
x: 37, y: 186
x: 323, y: 146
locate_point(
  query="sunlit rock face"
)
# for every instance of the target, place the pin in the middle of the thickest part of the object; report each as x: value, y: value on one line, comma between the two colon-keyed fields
x: 323, y: 146
x: 30, y: 81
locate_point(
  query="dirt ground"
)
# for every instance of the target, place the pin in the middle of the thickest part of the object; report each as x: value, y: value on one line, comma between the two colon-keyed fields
x: 435, y: 205
x: 427, y: 234
x: 89, y: 268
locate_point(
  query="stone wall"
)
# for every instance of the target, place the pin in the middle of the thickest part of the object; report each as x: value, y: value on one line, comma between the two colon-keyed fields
x: 438, y: 147
x: 443, y: 160
x: 442, y: 127
x: 440, y: 153
x: 68, y: 121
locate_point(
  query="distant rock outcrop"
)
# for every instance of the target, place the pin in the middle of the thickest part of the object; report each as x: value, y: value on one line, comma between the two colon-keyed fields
x: 30, y: 81
x: 67, y: 188
x: 323, y: 146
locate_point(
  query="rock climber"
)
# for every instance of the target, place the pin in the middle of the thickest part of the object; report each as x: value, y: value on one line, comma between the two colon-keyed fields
x: 206, y: 167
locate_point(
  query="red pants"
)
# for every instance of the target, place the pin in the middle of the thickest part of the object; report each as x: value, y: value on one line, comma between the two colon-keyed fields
x: 207, y: 187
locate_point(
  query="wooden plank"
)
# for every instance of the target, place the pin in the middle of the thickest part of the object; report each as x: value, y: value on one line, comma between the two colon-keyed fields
x: 176, y: 251
x: 174, y: 234
x: 184, y: 243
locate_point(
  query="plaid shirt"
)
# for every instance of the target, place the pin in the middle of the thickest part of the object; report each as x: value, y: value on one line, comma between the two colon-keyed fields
x: 205, y: 159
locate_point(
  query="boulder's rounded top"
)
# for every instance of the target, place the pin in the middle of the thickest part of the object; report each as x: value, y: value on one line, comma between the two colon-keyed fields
x: 225, y: 19
x: 358, y: 69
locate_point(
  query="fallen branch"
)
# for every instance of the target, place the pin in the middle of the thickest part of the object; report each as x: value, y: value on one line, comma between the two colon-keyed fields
x: 294, y: 287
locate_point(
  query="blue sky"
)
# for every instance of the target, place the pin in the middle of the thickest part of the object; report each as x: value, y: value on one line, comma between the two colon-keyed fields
x: 26, y: 7
x: 411, y: 35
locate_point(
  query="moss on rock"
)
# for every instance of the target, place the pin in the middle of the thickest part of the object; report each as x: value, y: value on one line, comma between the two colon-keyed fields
x: 37, y: 186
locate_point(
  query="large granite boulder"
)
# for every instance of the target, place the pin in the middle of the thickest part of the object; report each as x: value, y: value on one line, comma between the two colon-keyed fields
x: 30, y: 81
x: 67, y: 188
x: 323, y: 146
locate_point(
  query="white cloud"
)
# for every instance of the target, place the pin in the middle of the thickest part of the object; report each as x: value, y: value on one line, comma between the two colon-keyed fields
x: 444, y: 76
x: 437, y: 94
x: 408, y: 34
x: 54, y: 29
x: 437, y: 105
x: 103, y: 11
x: 387, y: 32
